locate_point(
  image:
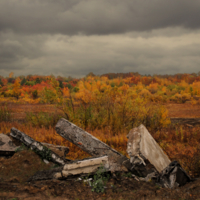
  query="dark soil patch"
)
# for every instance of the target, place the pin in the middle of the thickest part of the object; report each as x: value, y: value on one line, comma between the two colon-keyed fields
x: 16, y: 170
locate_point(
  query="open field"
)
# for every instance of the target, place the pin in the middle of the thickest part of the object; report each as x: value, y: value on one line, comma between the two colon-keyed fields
x: 174, y: 110
x: 180, y: 143
x: 183, y: 110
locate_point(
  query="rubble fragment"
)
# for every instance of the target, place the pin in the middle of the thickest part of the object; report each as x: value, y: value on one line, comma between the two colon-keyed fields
x: 83, y: 167
x: 173, y: 176
x: 147, y: 160
x: 7, y: 148
x: 150, y: 162
x: 38, y: 147
x: 78, y: 167
x: 146, y: 156
x: 91, y: 144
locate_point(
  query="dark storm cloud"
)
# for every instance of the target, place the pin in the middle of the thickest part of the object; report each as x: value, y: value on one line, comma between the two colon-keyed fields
x: 96, y: 16
x: 16, y: 50
x: 75, y: 37
x: 77, y: 55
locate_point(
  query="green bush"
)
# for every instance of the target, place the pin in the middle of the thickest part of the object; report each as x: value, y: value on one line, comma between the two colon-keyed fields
x: 30, y: 83
x: 48, y: 96
x: 75, y: 89
x: 100, y: 179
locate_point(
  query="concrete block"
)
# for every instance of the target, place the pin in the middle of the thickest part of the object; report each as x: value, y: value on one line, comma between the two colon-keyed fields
x: 143, y: 149
x: 83, y: 167
x: 7, y: 148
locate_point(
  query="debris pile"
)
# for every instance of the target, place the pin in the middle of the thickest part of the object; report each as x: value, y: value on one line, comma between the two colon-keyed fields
x: 7, y: 148
x: 147, y: 160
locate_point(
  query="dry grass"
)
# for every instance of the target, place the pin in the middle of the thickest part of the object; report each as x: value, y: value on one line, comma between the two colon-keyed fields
x: 181, y: 143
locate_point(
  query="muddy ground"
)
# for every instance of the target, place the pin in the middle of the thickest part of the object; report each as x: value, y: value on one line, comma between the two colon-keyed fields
x: 16, y: 170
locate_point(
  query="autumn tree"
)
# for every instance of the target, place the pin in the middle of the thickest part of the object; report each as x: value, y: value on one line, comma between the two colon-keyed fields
x: 16, y: 88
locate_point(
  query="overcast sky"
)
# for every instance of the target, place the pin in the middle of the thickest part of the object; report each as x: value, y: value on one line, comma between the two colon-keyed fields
x: 75, y: 37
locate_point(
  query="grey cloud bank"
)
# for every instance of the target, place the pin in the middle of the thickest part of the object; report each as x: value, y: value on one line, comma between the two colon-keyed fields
x: 75, y: 37
x: 96, y: 16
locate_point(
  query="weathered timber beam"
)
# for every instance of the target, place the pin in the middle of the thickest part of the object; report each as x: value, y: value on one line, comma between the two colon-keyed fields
x: 90, y: 144
x: 37, y: 147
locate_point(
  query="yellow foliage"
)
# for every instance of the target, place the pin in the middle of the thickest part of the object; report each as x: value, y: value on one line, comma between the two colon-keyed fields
x: 196, y: 87
x: 164, y: 89
x: 124, y: 88
x: 164, y: 119
x: 145, y: 93
x: 65, y: 92
x: 16, y: 88
x: 139, y: 86
x: 153, y: 86
x: 186, y: 96
x: 183, y: 83
x: 194, y: 102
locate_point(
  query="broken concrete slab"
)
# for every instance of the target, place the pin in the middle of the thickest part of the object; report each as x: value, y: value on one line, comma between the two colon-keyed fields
x: 143, y: 149
x: 86, y: 166
x: 90, y: 144
x: 37, y: 147
x: 149, y: 161
x: 78, y: 167
x: 7, y: 148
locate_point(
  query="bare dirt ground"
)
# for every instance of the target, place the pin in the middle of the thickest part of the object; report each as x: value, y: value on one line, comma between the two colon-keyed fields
x: 15, y: 171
